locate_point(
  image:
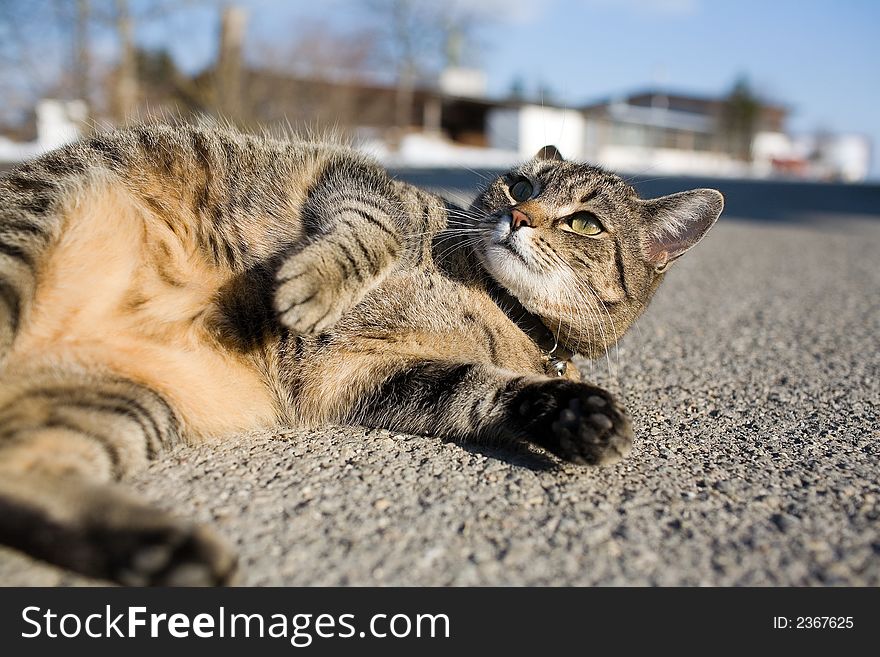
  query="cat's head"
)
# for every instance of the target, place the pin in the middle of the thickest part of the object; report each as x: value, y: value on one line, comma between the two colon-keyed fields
x: 577, y: 246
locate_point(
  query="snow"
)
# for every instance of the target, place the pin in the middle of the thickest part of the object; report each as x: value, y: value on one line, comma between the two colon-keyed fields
x: 57, y: 124
x: 420, y: 150
x: 12, y: 151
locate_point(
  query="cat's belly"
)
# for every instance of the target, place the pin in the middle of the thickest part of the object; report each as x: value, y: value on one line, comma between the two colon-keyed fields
x: 121, y: 293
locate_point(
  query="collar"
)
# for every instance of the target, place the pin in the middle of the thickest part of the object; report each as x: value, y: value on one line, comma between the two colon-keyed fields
x: 529, y: 323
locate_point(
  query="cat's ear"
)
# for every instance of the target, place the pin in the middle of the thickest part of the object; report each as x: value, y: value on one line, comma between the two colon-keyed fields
x: 675, y: 223
x: 549, y: 152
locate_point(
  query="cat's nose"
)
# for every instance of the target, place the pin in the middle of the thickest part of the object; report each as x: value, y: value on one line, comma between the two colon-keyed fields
x: 518, y: 219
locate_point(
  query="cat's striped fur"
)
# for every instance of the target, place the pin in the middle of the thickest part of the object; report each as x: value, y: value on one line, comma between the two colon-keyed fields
x: 161, y: 283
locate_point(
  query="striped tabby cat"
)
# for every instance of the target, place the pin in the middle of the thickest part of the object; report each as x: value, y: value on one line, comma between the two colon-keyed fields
x: 162, y: 284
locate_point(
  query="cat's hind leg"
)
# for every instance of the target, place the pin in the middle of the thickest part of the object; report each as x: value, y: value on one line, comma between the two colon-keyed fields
x: 64, y: 439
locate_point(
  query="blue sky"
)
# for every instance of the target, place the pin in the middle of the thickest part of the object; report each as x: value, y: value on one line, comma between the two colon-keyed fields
x: 820, y: 58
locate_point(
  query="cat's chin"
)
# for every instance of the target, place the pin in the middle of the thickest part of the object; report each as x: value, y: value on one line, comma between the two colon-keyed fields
x: 532, y: 289
x: 507, y: 270
x: 535, y: 291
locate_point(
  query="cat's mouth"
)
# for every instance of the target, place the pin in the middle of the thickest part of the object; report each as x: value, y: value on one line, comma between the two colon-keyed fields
x: 507, y: 259
x: 507, y: 242
x: 509, y: 245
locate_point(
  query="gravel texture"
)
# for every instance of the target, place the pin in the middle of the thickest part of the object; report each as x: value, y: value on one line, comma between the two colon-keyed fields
x: 753, y: 385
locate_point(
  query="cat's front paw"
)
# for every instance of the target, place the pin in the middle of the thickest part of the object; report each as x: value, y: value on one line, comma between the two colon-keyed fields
x: 592, y: 429
x: 312, y: 292
x: 577, y: 422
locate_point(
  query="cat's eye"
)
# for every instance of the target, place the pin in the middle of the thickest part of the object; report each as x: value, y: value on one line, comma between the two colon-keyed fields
x: 521, y: 190
x: 585, y: 223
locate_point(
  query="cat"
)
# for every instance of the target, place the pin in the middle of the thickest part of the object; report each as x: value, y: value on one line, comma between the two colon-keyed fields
x: 170, y: 283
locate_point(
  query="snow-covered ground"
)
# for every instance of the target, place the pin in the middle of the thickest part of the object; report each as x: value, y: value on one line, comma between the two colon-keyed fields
x: 420, y: 150
x: 57, y: 124
x: 12, y: 151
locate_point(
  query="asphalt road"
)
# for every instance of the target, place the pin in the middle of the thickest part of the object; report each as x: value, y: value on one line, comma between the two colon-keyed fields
x: 753, y: 383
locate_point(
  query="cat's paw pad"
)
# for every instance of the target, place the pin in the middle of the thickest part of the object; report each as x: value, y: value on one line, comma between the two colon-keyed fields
x: 178, y: 554
x: 579, y: 423
x: 592, y: 429
x: 310, y: 295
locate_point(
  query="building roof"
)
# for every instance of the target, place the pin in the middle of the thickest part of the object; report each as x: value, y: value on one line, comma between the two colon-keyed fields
x: 673, y: 109
x: 674, y: 99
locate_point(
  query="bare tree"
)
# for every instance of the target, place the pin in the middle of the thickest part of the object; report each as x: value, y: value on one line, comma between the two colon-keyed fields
x: 314, y: 80
x: 82, y: 52
x: 421, y: 37
x: 46, y: 49
x: 740, y: 115
x: 229, y: 61
x: 35, y: 46
x: 126, y: 87
x: 319, y: 49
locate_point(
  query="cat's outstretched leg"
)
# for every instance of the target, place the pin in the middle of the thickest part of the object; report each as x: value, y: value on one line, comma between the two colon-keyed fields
x: 576, y: 421
x: 100, y: 531
x: 63, y: 439
x: 359, y: 225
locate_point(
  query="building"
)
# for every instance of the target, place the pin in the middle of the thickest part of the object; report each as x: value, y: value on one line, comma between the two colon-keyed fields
x: 453, y: 123
x: 646, y: 131
x: 661, y: 132
x: 672, y: 132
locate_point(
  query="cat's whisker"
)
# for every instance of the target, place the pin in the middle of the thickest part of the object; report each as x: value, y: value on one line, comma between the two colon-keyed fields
x: 469, y: 218
x: 457, y: 233
x: 573, y: 306
x: 639, y: 173
x: 453, y: 248
x: 456, y: 238
x: 470, y: 224
x: 600, y: 305
x: 458, y: 243
x: 485, y: 177
x: 444, y: 232
x: 594, y: 304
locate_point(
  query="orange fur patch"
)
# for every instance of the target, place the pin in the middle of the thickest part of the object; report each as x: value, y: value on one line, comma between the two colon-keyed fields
x: 122, y: 291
